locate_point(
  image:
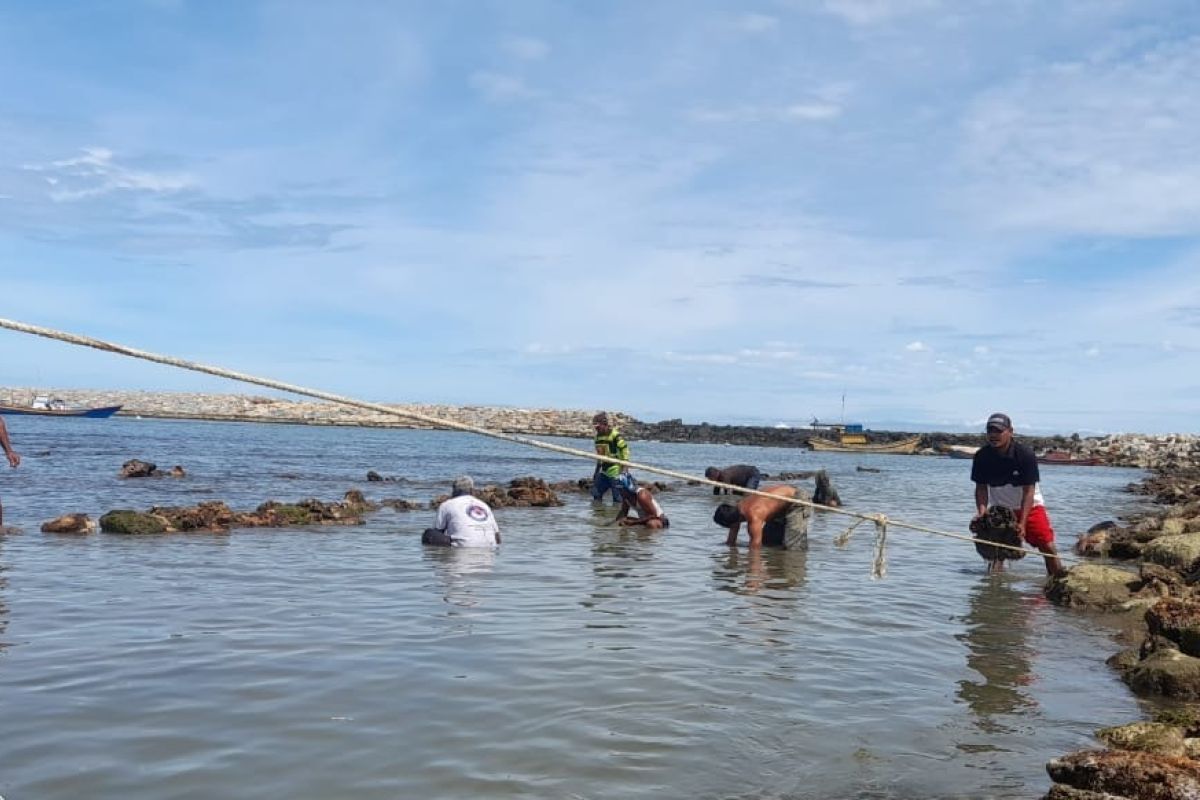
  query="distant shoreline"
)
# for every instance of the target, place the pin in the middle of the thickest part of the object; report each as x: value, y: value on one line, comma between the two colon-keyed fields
x: 1132, y: 450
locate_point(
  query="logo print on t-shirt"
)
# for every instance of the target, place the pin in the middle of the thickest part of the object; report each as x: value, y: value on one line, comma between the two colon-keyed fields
x: 477, y: 513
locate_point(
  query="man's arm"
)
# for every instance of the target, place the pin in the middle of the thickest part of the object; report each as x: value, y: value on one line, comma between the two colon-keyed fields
x: 755, y: 528
x: 731, y: 539
x: 13, y: 458
x: 1026, y: 507
x: 623, y: 513
x: 981, y: 499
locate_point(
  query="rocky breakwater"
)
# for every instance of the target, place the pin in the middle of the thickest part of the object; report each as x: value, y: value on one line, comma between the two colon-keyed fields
x: 253, y: 408
x: 1156, y: 580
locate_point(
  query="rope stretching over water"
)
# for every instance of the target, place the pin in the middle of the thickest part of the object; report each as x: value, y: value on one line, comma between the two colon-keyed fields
x: 879, y: 567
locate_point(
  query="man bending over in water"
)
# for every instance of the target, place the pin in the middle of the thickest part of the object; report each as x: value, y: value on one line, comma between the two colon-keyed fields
x: 766, y: 518
x: 649, y: 512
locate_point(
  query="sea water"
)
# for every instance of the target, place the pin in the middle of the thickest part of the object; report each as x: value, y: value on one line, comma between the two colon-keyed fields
x: 579, y: 660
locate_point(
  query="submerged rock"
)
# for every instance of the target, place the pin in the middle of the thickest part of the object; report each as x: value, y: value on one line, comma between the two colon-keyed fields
x: 131, y: 523
x: 1091, y: 586
x: 135, y: 468
x: 69, y: 523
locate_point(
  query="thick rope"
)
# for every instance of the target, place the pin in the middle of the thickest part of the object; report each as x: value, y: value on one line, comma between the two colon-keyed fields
x: 220, y: 372
x: 879, y: 564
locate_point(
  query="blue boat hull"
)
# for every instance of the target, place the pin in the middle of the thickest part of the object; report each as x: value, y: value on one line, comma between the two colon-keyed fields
x: 94, y: 413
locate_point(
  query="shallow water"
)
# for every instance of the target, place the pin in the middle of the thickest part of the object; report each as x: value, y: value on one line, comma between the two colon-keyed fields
x: 577, y: 661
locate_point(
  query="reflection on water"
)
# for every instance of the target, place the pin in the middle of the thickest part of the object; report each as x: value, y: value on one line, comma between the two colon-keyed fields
x: 749, y: 571
x: 997, y: 639
x: 461, y: 570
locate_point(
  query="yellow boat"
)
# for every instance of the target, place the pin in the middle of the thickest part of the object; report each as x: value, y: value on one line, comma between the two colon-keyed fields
x: 857, y: 443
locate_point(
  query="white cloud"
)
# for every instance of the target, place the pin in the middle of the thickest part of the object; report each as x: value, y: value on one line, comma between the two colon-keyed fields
x: 916, y: 347
x: 97, y: 172
x: 1105, y: 146
x: 1092, y: 352
x: 981, y: 350
x: 526, y: 48
x: 812, y: 111
x: 500, y: 88
x: 806, y: 112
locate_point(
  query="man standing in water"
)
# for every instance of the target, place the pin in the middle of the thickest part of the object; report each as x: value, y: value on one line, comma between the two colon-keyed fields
x: 771, y: 522
x: 1005, y: 474
x: 13, y: 458
x: 608, y: 442
x: 463, y: 521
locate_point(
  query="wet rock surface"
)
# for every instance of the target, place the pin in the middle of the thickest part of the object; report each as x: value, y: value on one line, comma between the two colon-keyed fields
x: 70, y: 523
x: 1147, y: 759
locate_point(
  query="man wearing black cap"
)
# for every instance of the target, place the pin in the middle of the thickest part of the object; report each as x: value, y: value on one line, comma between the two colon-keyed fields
x: 1006, y: 474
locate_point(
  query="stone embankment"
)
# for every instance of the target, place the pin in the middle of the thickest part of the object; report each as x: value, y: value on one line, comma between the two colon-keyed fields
x: 252, y: 408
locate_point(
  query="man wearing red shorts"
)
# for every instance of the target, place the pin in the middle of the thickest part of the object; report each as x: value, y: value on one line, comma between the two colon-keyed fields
x: 1006, y: 474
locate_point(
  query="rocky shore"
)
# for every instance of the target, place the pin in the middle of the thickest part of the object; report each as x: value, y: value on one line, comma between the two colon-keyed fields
x: 1169, y: 452
x: 1151, y: 575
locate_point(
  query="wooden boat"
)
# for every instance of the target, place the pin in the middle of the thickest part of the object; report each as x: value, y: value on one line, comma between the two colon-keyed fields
x: 959, y: 451
x: 902, y: 446
x: 1060, y: 457
x: 53, y: 407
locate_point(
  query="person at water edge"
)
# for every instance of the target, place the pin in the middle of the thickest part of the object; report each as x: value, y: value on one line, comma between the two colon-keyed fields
x: 745, y: 475
x: 767, y: 519
x: 10, y: 454
x: 464, y: 520
x: 825, y: 494
x: 1005, y: 474
x: 648, y: 512
x: 608, y: 442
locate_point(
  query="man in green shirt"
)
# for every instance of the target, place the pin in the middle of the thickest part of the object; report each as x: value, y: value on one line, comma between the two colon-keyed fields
x: 608, y: 442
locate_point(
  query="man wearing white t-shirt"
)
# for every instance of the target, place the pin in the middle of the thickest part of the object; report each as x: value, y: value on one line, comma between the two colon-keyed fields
x: 463, y: 521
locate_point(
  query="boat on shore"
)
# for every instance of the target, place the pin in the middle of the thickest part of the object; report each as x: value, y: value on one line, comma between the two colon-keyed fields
x: 852, y: 443
x: 959, y: 450
x: 1065, y: 458
x: 43, y: 406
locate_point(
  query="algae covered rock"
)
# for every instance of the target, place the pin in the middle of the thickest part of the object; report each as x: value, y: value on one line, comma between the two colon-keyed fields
x: 131, y: 523
x: 1146, y: 737
x: 1092, y: 586
x: 1179, y: 552
x: 1128, y: 774
x: 1166, y: 672
x: 1177, y: 620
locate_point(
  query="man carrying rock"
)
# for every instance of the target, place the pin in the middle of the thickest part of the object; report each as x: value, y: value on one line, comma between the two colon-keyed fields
x: 1005, y: 474
x: 463, y: 521
x: 744, y: 475
x: 770, y: 521
x: 10, y: 454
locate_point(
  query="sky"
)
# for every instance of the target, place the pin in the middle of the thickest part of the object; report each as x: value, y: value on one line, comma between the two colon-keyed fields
x: 901, y: 213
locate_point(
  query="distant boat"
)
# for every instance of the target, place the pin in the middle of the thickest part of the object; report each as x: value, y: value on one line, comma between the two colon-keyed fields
x: 43, y: 406
x: 1062, y: 457
x: 959, y: 450
x: 857, y: 443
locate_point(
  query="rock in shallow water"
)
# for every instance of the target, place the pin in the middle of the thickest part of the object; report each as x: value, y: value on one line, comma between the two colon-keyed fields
x: 69, y: 523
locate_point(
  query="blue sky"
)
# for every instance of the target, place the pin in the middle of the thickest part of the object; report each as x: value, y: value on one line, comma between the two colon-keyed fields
x: 725, y: 212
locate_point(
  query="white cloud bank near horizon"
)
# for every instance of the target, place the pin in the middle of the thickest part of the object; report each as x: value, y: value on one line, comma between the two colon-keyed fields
x: 937, y: 210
